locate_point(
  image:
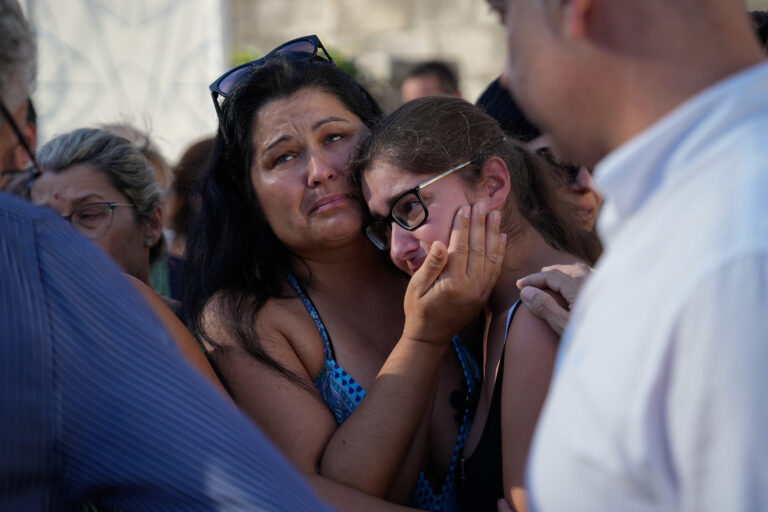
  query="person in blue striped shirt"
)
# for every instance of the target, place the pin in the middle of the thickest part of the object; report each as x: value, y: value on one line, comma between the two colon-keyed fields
x: 96, y: 402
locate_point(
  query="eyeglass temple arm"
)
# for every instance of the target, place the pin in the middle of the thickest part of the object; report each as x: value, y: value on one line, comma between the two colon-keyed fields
x: 443, y: 175
x: 17, y: 131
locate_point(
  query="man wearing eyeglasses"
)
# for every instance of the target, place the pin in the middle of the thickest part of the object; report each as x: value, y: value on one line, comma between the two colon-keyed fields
x: 9, y: 147
x: 18, y: 57
x: 659, y: 398
x: 96, y: 402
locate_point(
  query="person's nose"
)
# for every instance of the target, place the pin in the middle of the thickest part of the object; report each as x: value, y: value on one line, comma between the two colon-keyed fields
x: 583, y: 182
x: 402, y: 246
x: 320, y: 170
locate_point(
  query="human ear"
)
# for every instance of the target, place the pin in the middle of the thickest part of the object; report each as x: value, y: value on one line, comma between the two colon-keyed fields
x: 495, y: 183
x: 153, y: 226
x: 574, y: 15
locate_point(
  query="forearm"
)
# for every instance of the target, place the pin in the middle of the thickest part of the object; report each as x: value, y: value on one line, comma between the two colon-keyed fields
x: 444, y: 294
x: 345, y: 498
x: 415, y: 460
x: 383, y: 427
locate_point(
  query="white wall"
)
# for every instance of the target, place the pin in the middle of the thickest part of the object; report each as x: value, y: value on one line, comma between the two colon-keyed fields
x: 147, y: 62
x: 377, y: 33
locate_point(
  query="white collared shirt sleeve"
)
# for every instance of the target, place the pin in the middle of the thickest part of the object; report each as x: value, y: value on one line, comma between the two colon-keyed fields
x: 717, y: 401
x: 660, y: 397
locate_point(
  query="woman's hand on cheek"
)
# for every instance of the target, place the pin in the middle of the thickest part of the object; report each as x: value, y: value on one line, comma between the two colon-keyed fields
x: 453, y: 283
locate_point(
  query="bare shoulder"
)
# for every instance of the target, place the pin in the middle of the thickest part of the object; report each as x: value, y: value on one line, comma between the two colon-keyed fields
x: 278, y: 395
x: 530, y: 335
x: 283, y: 328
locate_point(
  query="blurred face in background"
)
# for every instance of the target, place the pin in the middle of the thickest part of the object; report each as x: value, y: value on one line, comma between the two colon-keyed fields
x: 575, y: 183
x: 420, y: 86
x: 9, y: 144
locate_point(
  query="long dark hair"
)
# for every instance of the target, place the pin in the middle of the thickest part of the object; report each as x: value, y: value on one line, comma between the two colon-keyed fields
x: 232, y: 253
x: 432, y: 134
x: 187, y: 175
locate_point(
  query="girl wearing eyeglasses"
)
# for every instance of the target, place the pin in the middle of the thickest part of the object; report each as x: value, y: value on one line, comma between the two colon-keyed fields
x: 426, y: 161
x: 303, y: 318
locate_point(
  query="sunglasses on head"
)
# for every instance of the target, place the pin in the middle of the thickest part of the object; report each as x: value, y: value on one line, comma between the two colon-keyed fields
x: 304, y: 48
x: 567, y: 172
x: 21, y: 184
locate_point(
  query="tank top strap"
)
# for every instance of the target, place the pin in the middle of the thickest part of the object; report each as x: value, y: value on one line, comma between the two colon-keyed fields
x: 510, y: 314
x: 468, y: 365
x: 310, y: 307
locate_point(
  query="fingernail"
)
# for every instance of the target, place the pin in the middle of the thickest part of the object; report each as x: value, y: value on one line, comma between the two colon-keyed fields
x: 480, y: 208
x: 495, y: 216
x: 436, y: 249
x: 464, y: 211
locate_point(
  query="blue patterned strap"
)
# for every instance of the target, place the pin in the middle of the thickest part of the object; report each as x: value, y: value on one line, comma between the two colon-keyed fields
x: 444, y: 500
x: 327, y: 347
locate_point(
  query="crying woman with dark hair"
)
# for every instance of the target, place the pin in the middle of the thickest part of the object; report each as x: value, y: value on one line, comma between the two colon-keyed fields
x: 303, y: 318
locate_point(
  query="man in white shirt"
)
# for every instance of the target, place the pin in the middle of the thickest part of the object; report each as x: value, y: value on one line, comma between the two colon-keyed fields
x: 660, y: 398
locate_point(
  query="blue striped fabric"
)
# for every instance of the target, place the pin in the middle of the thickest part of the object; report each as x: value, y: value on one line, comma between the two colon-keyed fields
x: 97, y: 404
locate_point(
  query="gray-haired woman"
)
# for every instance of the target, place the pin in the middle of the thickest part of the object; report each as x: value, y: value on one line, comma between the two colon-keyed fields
x: 104, y: 186
x: 106, y: 189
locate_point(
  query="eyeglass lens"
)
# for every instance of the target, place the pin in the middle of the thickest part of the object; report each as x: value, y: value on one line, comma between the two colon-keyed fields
x: 92, y: 220
x: 409, y: 211
x: 379, y: 233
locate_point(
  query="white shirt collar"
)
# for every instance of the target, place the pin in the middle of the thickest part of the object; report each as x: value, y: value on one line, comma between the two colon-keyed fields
x: 631, y: 174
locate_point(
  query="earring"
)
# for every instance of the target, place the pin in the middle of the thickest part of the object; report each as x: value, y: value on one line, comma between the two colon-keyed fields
x: 149, y: 242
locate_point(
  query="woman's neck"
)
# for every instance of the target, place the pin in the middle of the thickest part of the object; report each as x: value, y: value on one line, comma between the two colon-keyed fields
x: 346, y: 269
x: 525, y: 255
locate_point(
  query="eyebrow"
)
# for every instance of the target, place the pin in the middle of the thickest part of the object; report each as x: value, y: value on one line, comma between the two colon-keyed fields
x: 315, y: 126
x: 84, y: 198
x: 273, y: 144
x: 330, y: 119
x: 390, y: 202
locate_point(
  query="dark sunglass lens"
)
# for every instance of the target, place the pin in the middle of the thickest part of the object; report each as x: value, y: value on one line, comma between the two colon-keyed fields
x: 572, y: 171
x: 226, y: 85
x: 298, y: 48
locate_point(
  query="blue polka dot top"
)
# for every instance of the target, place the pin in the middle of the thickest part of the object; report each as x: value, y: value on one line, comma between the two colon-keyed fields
x: 343, y: 394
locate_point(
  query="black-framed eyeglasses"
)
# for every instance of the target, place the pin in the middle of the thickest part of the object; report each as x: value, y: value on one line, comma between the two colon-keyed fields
x: 408, y: 211
x: 307, y: 48
x: 21, y: 184
x: 566, y: 172
x: 94, y: 220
